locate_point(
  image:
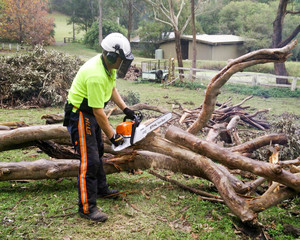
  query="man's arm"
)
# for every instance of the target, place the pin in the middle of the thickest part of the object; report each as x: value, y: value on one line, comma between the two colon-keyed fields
x: 118, y: 99
x: 103, y: 122
x: 121, y: 104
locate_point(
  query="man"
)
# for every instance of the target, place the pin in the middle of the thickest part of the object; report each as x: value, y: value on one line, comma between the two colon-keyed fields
x: 93, y: 86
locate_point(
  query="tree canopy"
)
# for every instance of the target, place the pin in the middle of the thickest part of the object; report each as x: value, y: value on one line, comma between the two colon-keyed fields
x: 26, y: 21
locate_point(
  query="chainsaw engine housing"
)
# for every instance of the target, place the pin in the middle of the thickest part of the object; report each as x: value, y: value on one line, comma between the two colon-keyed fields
x: 125, y: 128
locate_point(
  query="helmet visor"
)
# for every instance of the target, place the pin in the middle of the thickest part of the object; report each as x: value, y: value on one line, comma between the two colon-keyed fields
x: 125, y: 64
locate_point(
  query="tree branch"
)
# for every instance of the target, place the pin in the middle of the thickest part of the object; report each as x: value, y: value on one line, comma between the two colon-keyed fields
x: 289, y: 38
x: 240, y: 63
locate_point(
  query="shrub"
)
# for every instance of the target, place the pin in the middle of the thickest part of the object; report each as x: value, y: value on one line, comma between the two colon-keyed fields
x: 91, y: 38
x: 38, y: 77
x: 132, y: 98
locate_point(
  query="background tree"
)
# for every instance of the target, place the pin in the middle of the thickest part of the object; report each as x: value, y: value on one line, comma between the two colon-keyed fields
x: 100, y: 22
x: 130, y: 3
x: 194, y: 39
x: 91, y: 38
x: 84, y: 13
x: 26, y: 21
x: 170, y: 15
x: 277, y: 40
x: 238, y: 18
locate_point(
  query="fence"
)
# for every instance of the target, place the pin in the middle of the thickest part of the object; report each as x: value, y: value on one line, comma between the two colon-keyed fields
x: 10, y: 47
x: 253, y: 79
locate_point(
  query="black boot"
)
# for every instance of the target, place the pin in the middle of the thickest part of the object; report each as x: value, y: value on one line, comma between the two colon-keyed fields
x: 108, y: 193
x: 95, y: 215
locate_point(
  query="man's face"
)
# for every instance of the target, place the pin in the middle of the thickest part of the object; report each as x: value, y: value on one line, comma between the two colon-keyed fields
x: 117, y: 64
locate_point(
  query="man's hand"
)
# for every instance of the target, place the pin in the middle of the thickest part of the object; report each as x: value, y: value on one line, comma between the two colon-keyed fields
x: 129, y: 113
x: 117, y: 139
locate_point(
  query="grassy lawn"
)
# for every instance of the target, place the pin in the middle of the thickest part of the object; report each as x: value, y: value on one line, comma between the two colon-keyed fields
x: 62, y: 29
x: 152, y: 209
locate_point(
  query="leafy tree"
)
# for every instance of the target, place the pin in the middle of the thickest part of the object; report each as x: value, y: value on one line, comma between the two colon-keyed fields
x: 26, y: 21
x: 91, y: 38
x: 171, y: 12
x: 248, y: 19
x: 209, y: 20
x: 152, y: 31
x: 84, y: 13
x: 285, y: 7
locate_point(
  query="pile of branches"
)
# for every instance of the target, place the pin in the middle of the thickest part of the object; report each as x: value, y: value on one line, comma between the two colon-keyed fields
x: 224, y: 113
x: 36, y: 78
x: 133, y: 73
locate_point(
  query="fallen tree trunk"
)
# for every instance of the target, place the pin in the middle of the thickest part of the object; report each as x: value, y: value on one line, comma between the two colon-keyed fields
x: 21, y: 137
x: 232, y: 160
x: 161, y: 154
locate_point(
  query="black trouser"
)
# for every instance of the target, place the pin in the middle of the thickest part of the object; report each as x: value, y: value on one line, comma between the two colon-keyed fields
x: 86, y: 137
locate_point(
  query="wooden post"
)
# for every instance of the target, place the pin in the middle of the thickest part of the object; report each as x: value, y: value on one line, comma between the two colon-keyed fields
x: 254, y: 80
x: 17, y: 47
x: 169, y: 71
x: 9, y: 46
x: 294, y: 84
x: 173, y: 69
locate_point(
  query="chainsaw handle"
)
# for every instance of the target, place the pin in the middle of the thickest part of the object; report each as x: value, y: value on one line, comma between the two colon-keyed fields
x: 137, y: 118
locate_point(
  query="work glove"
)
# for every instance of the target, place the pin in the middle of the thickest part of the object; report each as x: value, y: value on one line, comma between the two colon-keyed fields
x: 117, y: 139
x: 129, y: 113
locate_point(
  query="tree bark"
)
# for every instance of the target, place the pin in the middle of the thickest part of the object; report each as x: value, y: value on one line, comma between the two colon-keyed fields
x: 233, y: 160
x: 279, y: 68
x: 100, y: 22
x: 194, y: 61
x: 55, y: 150
x: 277, y: 41
x: 259, y: 142
x: 27, y: 135
x: 178, y: 52
x: 129, y: 19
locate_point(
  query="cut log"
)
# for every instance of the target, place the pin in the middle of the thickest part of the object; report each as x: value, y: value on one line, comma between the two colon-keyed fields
x: 14, y: 124
x: 22, y: 136
x: 40, y: 169
x: 53, y: 118
x: 4, y: 128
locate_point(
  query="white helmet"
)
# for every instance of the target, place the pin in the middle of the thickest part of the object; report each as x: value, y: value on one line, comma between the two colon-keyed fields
x: 114, y: 42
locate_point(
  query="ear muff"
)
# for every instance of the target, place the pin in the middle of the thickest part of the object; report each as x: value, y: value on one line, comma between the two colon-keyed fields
x: 112, y: 56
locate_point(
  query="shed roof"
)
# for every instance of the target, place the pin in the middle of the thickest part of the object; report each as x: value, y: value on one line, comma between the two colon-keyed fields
x: 211, y: 39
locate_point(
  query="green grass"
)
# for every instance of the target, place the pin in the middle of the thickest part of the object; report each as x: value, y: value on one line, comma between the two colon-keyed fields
x: 153, y: 209
x: 62, y: 29
x: 47, y: 210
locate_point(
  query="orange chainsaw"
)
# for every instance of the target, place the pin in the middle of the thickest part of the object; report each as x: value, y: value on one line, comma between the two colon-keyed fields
x: 134, y: 131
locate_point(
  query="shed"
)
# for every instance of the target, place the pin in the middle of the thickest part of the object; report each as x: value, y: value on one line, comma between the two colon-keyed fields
x: 209, y: 47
